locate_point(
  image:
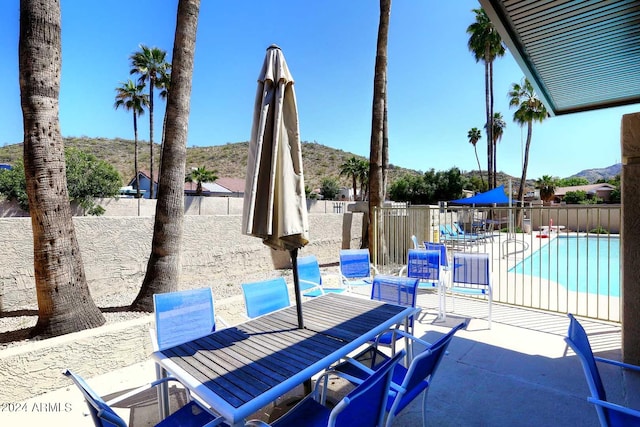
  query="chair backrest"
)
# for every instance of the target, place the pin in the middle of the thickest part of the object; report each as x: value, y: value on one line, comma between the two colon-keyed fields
x: 458, y: 229
x: 449, y: 230
x: 355, y: 263
x: 365, y: 405
x: 438, y: 246
x: 471, y: 270
x: 414, y: 239
x: 578, y: 340
x: 422, y: 369
x: 183, y: 316
x: 309, y: 272
x: 265, y: 296
x: 424, y: 264
x: 101, y: 413
x: 395, y: 290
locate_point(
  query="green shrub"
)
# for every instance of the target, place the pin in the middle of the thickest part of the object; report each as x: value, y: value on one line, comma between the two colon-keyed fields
x: 599, y: 230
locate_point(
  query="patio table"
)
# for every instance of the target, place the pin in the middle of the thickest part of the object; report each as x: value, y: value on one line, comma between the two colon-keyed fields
x: 240, y: 369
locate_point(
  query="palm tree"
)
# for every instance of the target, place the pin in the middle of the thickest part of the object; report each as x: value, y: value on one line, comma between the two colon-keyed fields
x: 130, y: 97
x: 163, y: 268
x: 498, y: 130
x: 474, y: 136
x: 163, y: 84
x: 363, y: 177
x: 351, y: 168
x: 529, y: 109
x: 64, y: 300
x: 378, y: 125
x: 547, y: 186
x: 151, y: 65
x: 200, y: 175
x: 486, y: 45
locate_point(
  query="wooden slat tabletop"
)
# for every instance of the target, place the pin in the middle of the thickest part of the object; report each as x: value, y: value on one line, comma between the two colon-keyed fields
x: 242, y: 362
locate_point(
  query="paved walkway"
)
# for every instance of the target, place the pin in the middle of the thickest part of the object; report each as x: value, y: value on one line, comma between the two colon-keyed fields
x: 519, y: 373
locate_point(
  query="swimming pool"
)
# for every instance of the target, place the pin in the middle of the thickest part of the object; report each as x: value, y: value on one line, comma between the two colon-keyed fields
x: 584, y: 264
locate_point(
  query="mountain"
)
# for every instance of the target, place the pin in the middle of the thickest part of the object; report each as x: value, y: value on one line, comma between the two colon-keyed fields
x: 229, y: 160
x: 593, y: 175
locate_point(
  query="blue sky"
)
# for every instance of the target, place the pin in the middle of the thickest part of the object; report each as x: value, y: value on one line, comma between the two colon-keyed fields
x: 436, y: 89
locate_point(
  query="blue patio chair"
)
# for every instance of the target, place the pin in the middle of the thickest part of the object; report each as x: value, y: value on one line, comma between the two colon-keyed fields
x: 399, y: 291
x: 439, y: 246
x: 265, y: 296
x: 364, y: 406
x: 407, y: 383
x: 190, y: 415
x: 424, y: 265
x: 609, y: 414
x: 356, y: 268
x: 450, y: 237
x: 472, y: 277
x: 182, y: 316
x: 310, y: 278
x: 459, y: 231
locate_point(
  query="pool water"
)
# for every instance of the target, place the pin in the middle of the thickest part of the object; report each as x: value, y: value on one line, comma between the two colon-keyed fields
x: 584, y: 264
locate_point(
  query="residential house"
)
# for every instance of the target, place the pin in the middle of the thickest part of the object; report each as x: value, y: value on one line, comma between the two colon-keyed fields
x: 145, y: 184
x: 222, y: 187
x: 601, y: 191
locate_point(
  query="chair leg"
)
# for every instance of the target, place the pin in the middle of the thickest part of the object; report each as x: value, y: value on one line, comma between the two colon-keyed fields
x: 424, y: 406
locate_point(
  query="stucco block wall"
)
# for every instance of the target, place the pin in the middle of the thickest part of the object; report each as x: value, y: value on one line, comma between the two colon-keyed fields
x: 36, y: 368
x: 115, y: 251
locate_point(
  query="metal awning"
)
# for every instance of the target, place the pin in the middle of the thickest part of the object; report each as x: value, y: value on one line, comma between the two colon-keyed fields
x: 579, y: 55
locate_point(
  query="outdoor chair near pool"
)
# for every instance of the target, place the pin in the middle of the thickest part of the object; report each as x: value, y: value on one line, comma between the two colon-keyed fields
x: 472, y: 277
x: 458, y: 231
x: 439, y: 246
x: 310, y: 278
x: 451, y: 238
x: 399, y: 291
x: 425, y: 265
x: 408, y: 382
x: 190, y: 415
x: 182, y: 316
x: 265, y: 296
x: 364, y: 406
x: 609, y: 414
x: 356, y: 268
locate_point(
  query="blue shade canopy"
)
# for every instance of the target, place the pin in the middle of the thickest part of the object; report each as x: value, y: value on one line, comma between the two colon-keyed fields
x: 490, y: 197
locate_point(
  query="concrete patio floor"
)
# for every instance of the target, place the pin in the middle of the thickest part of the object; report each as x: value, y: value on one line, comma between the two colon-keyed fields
x: 519, y: 373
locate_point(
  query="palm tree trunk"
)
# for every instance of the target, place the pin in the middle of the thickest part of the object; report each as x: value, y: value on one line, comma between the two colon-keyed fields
x: 64, y: 301
x: 135, y: 157
x: 489, y: 125
x: 524, y: 173
x: 494, y: 184
x: 479, y: 167
x: 385, y: 145
x: 376, y: 181
x: 355, y: 186
x: 152, y: 83
x: 163, y: 268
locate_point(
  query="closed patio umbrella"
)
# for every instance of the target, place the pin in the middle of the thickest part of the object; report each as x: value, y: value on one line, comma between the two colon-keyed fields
x: 275, y: 207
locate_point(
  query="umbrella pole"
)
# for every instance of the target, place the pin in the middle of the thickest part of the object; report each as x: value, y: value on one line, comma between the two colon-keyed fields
x: 296, y: 286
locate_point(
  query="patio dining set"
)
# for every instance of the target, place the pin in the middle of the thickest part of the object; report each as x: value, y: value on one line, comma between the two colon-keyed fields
x: 230, y: 373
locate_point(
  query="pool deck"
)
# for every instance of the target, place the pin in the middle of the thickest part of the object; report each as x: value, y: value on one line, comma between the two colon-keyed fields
x: 519, y: 373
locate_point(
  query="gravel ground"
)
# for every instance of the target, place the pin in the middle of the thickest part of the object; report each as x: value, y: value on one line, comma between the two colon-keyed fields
x: 15, y: 326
